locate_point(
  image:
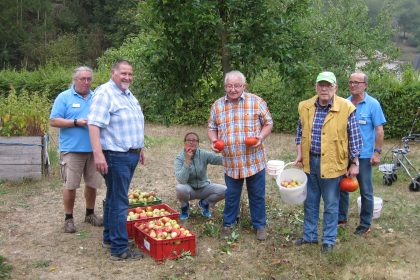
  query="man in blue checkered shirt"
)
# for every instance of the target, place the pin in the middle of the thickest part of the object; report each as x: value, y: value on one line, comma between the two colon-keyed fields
x: 328, y: 144
x: 116, y: 130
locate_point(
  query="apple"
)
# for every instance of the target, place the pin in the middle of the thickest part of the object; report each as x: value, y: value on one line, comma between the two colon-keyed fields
x: 219, y: 145
x: 251, y: 141
x: 290, y: 183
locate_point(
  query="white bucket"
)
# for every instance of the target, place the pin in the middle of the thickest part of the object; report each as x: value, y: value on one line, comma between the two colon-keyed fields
x: 296, y: 195
x: 377, y: 206
x: 275, y: 167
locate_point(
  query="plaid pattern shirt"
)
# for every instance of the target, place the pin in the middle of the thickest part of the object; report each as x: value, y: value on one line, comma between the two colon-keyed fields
x: 355, y: 139
x: 118, y: 115
x: 234, y: 121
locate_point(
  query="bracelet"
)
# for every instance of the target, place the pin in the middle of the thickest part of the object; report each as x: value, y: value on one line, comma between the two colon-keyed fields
x: 75, y: 123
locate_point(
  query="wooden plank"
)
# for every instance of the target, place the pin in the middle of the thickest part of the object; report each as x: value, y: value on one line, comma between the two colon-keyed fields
x: 18, y: 172
x: 20, y: 157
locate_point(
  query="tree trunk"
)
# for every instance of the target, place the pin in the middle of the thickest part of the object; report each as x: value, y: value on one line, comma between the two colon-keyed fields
x: 224, y: 37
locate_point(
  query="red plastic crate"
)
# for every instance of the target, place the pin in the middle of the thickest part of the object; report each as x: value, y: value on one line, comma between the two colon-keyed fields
x: 130, y: 224
x: 165, y: 249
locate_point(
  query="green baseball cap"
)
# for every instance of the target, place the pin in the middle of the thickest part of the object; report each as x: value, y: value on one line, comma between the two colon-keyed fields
x: 326, y: 76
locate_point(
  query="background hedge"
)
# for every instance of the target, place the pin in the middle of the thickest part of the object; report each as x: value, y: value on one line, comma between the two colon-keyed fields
x: 400, y: 97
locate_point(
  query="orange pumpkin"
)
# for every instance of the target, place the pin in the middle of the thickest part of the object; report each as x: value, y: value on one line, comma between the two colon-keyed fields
x: 349, y: 184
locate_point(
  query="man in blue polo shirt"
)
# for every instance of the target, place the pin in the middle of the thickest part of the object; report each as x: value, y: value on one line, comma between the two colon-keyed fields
x: 370, y: 119
x: 69, y: 114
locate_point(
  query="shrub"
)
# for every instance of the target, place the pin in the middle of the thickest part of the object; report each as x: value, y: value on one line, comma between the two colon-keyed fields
x: 26, y: 114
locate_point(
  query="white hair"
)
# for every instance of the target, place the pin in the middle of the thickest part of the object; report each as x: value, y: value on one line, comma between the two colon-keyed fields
x: 235, y: 73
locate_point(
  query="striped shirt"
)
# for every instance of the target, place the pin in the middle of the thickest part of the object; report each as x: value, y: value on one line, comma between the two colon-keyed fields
x: 119, y: 116
x: 233, y: 121
x: 355, y: 139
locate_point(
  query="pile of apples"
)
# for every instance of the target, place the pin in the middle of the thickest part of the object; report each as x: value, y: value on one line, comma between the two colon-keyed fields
x: 136, y: 196
x: 290, y: 183
x: 163, y: 229
x: 146, y: 212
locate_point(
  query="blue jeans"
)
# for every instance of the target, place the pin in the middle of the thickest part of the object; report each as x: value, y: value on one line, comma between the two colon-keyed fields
x: 329, y: 190
x: 366, y: 193
x: 121, y: 168
x: 256, y: 196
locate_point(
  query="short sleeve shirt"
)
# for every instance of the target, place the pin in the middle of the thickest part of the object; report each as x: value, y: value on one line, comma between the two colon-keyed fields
x: 234, y: 121
x: 369, y: 115
x: 70, y: 105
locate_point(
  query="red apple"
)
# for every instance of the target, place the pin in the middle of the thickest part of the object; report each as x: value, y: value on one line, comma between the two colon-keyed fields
x: 219, y: 145
x: 251, y: 141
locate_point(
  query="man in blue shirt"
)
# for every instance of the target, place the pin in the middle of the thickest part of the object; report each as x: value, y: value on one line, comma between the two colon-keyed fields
x: 370, y: 119
x: 69, y: 114
x: 116, y: 128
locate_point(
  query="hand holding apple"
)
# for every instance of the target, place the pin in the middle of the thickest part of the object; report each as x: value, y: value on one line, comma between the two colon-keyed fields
x: 218, y: 145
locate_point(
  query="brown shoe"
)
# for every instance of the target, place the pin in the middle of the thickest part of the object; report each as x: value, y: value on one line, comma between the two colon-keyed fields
x: 94, y: 220
x: 69, y: 226
x: 261, y: 234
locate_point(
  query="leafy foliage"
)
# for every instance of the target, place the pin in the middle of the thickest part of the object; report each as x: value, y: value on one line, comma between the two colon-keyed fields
x: 399, y: 99
x: 5, y: 268
x: 24, y: 115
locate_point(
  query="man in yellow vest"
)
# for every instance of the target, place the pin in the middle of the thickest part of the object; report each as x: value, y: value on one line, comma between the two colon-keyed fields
x: 328, y: 144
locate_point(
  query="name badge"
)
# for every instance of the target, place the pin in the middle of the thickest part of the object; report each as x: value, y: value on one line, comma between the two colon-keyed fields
x: 362, y: 122
x: 75, y: 105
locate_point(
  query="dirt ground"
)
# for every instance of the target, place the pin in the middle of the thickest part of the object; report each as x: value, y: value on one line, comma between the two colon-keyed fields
x: 32, y: 239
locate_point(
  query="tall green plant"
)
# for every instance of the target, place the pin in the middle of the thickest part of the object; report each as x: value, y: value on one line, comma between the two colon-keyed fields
x: 26, y: 114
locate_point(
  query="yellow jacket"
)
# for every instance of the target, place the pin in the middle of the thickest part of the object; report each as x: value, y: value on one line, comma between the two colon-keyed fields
x: 334, y: 138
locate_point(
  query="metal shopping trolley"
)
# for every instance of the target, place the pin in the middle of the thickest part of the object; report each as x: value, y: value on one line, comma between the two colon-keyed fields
x: 397, y: 157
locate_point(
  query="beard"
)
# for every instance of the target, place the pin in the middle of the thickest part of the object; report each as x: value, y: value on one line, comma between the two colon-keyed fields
x: 124, y: 86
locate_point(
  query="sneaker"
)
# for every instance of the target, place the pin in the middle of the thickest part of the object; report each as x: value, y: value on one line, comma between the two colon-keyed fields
x: 226, y: 232
x: 184, y: 212
x: 94, y: 220
x: 106, y: 245
x: 327, y: 249
x: 205, y: 211
x: 69, y: 226
x: 302, y: 241
x: 128, y: 255
x: 261, y: 234
x: 361, y: 230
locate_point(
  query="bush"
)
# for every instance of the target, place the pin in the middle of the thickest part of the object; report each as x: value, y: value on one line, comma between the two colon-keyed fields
x: 51, y: 80
x: 5, y: 268
x: 26, y: 114
x: 399, y: 99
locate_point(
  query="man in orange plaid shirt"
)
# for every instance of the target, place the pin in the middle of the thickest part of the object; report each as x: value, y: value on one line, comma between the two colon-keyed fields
x: 234, y: 117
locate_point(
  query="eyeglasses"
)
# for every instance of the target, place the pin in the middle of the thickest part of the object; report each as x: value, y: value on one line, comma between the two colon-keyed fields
x: 192, y: 141
x: 328, y: 86
x: 237, y: 86
x: 85, y: 79
x: 355, y: 83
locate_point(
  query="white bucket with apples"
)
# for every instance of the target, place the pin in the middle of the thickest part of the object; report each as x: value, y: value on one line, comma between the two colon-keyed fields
x: 275, y: 167
x: 377, y: 206
x: 292, y: 185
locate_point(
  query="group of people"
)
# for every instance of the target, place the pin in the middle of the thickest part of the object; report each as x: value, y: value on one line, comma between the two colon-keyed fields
x: 102, y: 136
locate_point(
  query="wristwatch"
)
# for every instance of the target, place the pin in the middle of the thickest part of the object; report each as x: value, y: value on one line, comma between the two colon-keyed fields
x: 377, y: 150
x: 355, y: 161
x: 75, y: 122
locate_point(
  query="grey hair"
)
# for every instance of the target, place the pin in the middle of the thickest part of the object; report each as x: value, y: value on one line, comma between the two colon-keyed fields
x: 117, y: 64
x: 365, y: 77
x: 235, y: 73
x: 77, y: 71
